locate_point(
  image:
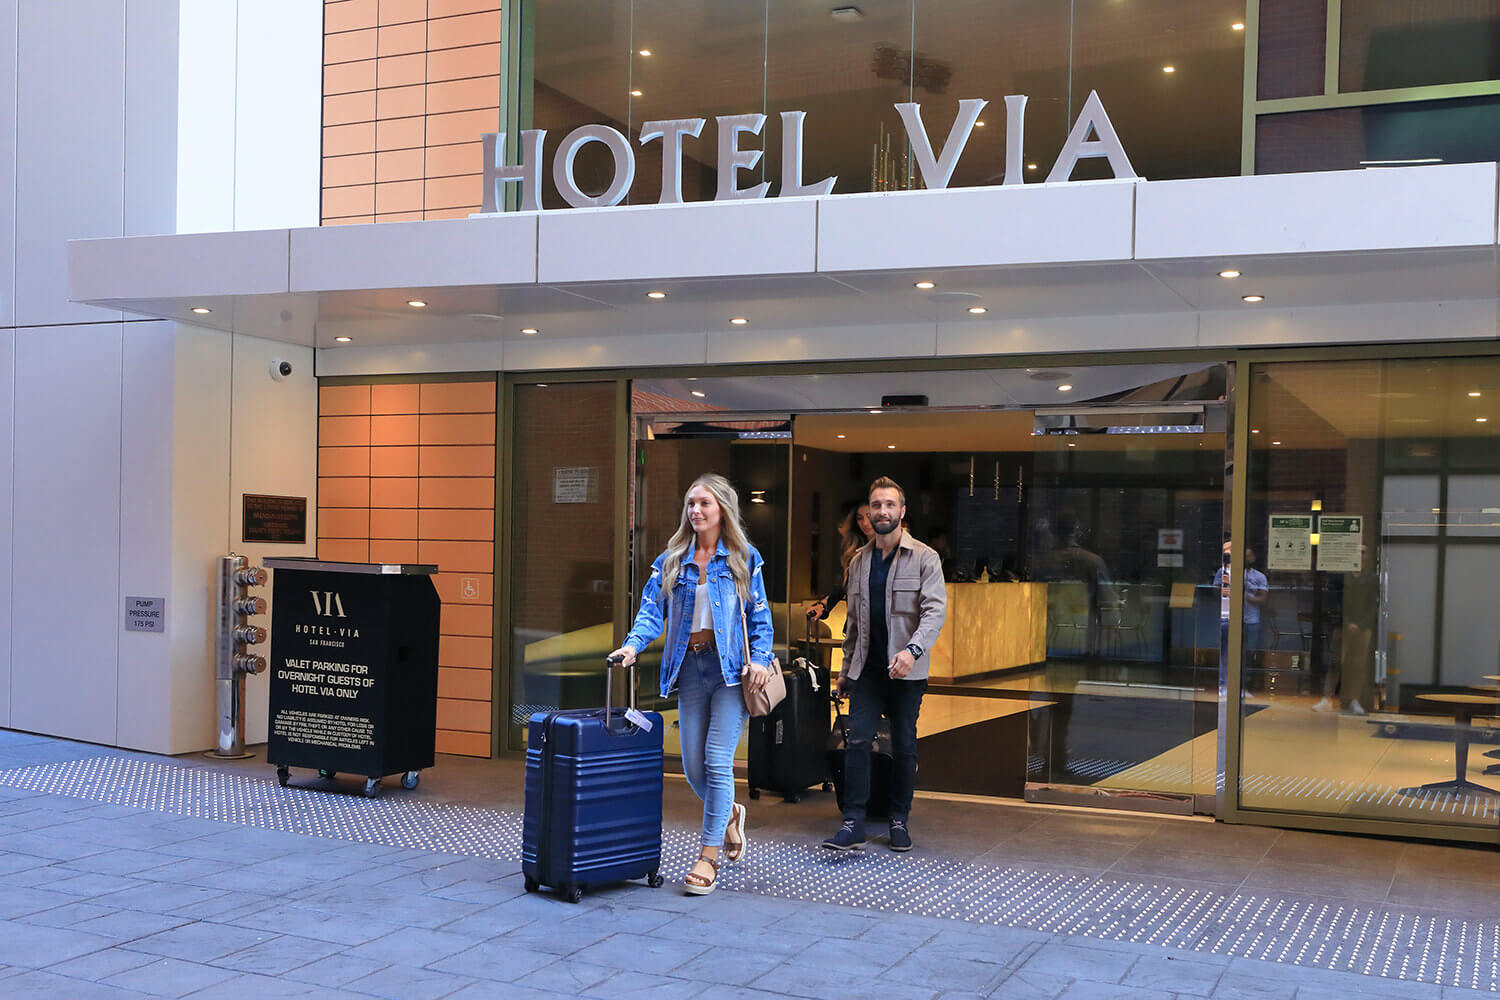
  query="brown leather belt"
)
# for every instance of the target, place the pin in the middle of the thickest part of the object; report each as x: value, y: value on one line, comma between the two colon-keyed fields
x: 703, y: 645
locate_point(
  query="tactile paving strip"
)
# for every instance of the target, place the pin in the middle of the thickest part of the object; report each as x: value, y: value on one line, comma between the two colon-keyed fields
x: 1370, y: 939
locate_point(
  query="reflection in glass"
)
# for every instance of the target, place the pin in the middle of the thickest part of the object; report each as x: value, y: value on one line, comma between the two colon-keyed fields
x: 1375, y: 492
x: 562, y: 548
x: 1389, y: 44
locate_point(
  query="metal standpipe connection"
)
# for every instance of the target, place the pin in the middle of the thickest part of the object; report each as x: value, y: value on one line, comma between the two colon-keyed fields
x: 232, y: 660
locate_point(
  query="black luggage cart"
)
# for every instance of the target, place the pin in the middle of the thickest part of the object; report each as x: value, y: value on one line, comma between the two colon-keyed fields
x: 354, y: 650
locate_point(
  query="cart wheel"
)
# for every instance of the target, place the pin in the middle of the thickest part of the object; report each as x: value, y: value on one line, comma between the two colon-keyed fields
x: 372, y: 787
x: 755, y: 793
x: 283, y: 775
x: 827, y: 786
x: 410, y: 779
x: 793, y: 798
x: 655, y: 880
x: 531, y: 884
x: 326, y: 774
x: 573, y: 894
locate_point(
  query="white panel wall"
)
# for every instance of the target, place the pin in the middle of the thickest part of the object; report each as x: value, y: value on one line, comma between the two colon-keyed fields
x: 275, y: 451
x: 66, y: 558
x: 70, y: 154
x: 7, y: 469
x: 8, y: 16
x: 206, y: 59
x: 145, y: 546
x: 278, y: 114
x: 150, y: 117
x: 200, y: 526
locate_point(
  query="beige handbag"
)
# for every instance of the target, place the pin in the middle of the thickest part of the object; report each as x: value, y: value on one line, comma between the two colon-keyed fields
x: 767, y: 698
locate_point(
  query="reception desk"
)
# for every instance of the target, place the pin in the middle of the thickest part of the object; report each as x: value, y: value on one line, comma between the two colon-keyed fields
x: 990, y: 627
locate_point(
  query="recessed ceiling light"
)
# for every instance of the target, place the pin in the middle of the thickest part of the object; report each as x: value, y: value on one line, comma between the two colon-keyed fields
x: 891, y: 447
x: 1065, y: 387
x: 637, y: 93
x: 758, y: 493
x: 1031, y: 166
x: 1230, y: 273
x: 1252, y: 299
x: 739, y: 321
x: 646, y: 53
x: 1474, y: 394
x: 757, y: 499
x: 343, y: 340
x: 1072, y: 445
x: 700, y: 394
x: 1237, y: 26
x: 656, y: 295
x: 1481, y: 420
x: 416, y: 303
x: 977, y: 310
x: 1275, y: 442
x: 925, y: 285
x: 529, y: 330
x: 1255, y: 430
x: 875, y: 411
x: 1169, y: 69
x: 541, y: 385
x: 980, y: 123
x: 202, y: 310
x: 841, y: 436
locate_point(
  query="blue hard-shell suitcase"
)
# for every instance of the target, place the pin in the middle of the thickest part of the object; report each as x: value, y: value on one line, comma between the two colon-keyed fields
x: 593, y: 798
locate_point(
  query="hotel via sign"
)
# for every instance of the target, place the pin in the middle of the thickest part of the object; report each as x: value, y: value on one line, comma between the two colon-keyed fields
x: 937, y: 166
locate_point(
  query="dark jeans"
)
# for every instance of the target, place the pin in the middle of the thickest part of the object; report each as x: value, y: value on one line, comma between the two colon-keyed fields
x: 875, y: 694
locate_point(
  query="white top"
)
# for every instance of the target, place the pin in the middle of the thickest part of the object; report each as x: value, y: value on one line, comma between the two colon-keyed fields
x: 703, y: 612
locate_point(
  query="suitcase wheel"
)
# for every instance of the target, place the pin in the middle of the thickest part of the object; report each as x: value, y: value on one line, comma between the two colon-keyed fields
x: 372, y: 787
x: 531, y: 884
x: 410, y: 779
x: 283, y: 775
x: 573, y: 894
x: 655, y: 880
x: 754, y: 792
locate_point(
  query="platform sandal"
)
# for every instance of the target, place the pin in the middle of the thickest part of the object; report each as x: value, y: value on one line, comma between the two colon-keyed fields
x: 696, y: 885
x: 734, y: 834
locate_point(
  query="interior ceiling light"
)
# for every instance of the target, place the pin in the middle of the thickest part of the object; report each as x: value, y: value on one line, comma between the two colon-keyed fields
x: 646, y: 53
x: 1252, y: 299
x: 202, y: 310
x: 841, y: 436
x: 1481, y: 420
x: 977, y: 310
x: 739, y: 321
x: 874, y: 411
x: 1169, y: 69
x: 541, y: 385
x: 637, y: 93
x: 1072, y: 444
x: 925, y: 285
x: 656, y: 295
x: 1275, y: 442
x: 979, y: 124
x: 700, y: 394
x: 1230, y: 273
x: 891, y: 447
x: 344, y: 340
x: 529, y: 330
x: 1237, y: 26
x: 1472, y: 395
x: 1255, y: 430
x: 1065, y: 387
x: 416, y: 303
x: 1031, y: 166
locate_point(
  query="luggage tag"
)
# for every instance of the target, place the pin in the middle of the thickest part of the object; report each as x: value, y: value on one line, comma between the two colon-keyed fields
x: 641, y: 722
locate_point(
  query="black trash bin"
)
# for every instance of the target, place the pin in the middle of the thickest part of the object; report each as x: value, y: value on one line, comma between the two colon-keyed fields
x: 354, y: 651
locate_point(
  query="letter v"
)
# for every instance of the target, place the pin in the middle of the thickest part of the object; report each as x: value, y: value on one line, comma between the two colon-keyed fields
x: 937, y: 171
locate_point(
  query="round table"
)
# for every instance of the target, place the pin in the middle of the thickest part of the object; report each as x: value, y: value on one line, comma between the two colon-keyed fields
x: 1464, y: 707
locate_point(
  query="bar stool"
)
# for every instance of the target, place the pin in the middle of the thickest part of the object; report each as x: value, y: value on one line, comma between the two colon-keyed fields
x: 1464, y: 707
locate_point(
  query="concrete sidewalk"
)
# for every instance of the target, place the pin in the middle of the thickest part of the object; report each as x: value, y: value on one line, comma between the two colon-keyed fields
x: 119, y: 877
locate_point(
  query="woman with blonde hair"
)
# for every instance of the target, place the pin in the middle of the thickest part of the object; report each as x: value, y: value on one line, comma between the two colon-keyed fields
x: 707, y: 594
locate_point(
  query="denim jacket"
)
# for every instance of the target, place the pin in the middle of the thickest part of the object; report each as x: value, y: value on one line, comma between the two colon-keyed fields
x: 674, y: 612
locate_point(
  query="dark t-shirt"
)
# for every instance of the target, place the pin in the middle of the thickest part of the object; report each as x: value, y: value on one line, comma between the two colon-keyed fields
x: 880, y: 568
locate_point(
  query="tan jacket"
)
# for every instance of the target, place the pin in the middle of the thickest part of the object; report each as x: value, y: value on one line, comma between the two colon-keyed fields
x: 916, y: 604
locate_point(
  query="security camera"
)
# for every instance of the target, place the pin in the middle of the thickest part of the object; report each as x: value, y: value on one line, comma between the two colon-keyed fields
x: 280, y: 368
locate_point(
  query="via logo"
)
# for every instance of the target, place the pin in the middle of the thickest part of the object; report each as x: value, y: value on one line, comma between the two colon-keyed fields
x: 328, y: 604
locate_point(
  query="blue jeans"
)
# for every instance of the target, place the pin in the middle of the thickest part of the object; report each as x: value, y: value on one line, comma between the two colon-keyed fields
x: 710, y: 718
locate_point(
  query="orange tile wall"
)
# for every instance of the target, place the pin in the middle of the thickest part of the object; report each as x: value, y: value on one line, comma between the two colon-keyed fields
x: 409, y: 86
x: 406, y: 473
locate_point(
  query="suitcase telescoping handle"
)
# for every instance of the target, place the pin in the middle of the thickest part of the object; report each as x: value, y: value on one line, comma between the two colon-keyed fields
x: 610, y: 663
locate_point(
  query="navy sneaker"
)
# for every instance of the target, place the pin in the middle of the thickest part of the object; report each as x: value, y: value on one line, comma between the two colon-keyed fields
x: 900, y: 836
x: 850, y: 837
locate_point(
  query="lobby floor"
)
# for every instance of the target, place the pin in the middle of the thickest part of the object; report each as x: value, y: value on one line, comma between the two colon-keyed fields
x: 128, y: 875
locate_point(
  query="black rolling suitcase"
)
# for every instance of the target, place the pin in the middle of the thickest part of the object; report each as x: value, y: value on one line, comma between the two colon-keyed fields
x: 593, y: 797
x: 882, y: 765
x: 788, y: 748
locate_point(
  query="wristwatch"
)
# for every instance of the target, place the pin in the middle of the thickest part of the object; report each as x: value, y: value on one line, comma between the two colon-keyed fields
x: 915, y: 650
